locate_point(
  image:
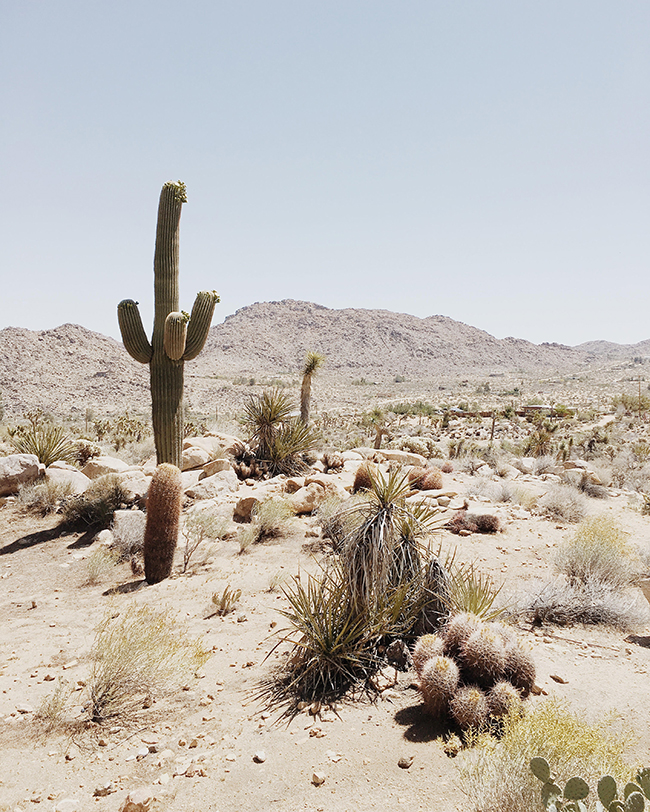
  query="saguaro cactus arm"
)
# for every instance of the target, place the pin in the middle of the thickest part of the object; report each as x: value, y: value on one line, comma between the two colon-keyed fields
x: 200, y: 320
x: 135, y: 340
x: 175, y: 334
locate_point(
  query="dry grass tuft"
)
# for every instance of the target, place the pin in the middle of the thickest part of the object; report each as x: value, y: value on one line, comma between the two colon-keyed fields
x: 563, y: 503
x: 497, y: 777
x: 598, y: 551
x: 44, y: 497
x: 138, y: 654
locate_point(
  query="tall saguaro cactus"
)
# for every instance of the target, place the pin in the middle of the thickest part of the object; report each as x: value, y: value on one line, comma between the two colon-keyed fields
x: 177, y: 336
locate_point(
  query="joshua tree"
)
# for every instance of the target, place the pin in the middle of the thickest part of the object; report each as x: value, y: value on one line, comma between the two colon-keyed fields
x: 313, y: 362
x: 177, y: 337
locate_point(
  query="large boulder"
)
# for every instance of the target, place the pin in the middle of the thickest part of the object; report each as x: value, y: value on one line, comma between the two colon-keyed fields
x: 194, y: 457
x: 214, y: 467
x: 17, y: 470
x: 394, y: 454
x: 209, y: 443
x: 65, y: 473
x: 136, y: 484
x: 212, y: 486
x: 307, y: 499
x: 100, y: 466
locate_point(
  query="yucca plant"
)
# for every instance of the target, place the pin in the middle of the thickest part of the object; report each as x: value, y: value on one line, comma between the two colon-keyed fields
x: 333, y: 645
x: 279, y: 438
x: 313, y: 362
x: 385, y: 542
x: 49, y: 443
x: 473, y: 591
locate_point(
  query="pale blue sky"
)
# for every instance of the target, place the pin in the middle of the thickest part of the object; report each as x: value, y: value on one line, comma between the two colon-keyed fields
x: 485, y: 160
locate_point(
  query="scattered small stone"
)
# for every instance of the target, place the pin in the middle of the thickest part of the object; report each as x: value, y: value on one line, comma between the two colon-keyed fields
x: 405, y: 762
x: 164, y: 779
x: 102, y: 743
x: 68, y: 805
x: 48, y: 678
x: 24, y: 709
x: 71, y: 664
x: 318, y: 778
x: 69, y: 756
x: 242, y: 619
x: 317, y: 733
x: 106, y: 789
x: 139, y: 800
x: 559, y: 679
x: 259, y: 757
x: 182, y: 742
x: 194, y: 743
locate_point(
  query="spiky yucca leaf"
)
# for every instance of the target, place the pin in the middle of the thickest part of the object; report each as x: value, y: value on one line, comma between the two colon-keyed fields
x: 473, y: 591
x: 48, y: 443
x: 264, y: 414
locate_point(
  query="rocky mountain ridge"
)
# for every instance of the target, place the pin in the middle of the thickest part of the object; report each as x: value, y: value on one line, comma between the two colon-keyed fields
x: 70, y: 368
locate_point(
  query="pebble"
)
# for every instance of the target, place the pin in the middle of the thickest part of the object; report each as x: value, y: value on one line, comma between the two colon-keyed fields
x: 318, y: 778
x: 259, y: 757
x: 405, y: 762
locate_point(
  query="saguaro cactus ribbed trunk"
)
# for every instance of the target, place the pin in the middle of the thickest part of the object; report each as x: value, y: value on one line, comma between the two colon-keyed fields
x: 177, y: 336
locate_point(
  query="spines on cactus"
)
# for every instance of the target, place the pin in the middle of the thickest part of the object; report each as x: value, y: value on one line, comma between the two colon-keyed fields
x: 163, y: 516
x: 483, y: 657
x: 520, y: 668
x: 175, y: 339
x: 438, y: 684
x: 469, y: 707
x: 426, y: 647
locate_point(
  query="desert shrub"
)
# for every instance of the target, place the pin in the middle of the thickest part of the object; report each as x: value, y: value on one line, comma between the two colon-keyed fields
x: 44, y: 497
x: 544, y: 464
x: 200, y: 526
x: 268, y: 520
x: 502, y: 492
x: 598, y: 551
x: 497, y: 776
x: 95, y: 507
x: 465, y: 522
x: 136, y: 655
x: 527, y: 499
x: 590, y: 603
x: 564, y: 503
x: 415, y: 476
x: 52, y: 709
x: 100, y: 563
x: 470, y: 464
x: 128, y: 535
x: 224, y: 603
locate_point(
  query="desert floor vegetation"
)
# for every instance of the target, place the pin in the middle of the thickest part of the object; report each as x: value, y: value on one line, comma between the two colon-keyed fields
x: 323, y: 612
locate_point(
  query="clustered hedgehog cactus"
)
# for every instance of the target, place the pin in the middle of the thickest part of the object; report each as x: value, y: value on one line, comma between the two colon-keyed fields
x: 177, y: 336
x: 472, y: 670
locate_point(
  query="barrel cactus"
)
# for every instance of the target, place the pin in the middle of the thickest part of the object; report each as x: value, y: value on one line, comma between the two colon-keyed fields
x: 177, y: 336
x: 163, y: 517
